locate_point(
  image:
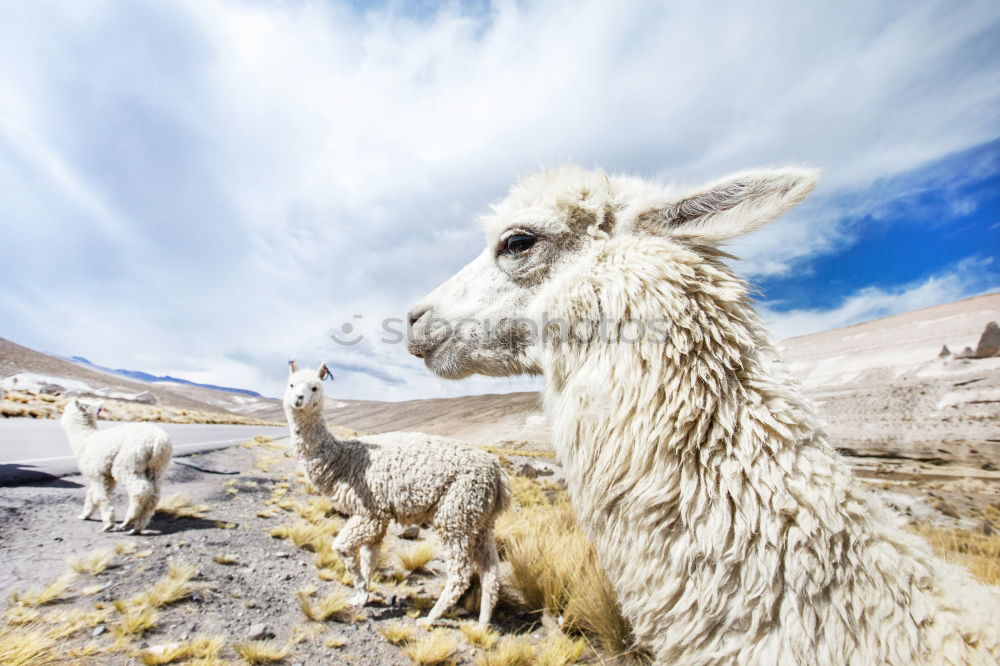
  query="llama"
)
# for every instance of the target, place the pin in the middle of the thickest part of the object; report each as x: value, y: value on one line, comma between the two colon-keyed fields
x: 407, y: 477
x: 731, y: 530
x: 136, y: 455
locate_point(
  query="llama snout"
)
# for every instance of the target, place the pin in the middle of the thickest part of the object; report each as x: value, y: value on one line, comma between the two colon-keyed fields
x: 425, y: 332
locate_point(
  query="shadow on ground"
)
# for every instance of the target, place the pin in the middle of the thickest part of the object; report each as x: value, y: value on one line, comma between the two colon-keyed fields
x: 28, y: 475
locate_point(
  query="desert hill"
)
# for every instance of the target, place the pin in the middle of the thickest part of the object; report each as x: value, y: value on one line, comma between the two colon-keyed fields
x: 881, y: 386
x: 25, y: 369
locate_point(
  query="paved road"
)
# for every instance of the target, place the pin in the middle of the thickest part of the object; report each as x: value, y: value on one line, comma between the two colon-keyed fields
x: 32, y: 450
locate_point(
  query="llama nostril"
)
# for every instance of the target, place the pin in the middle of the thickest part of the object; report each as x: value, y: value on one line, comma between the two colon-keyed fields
x: 417, y: 313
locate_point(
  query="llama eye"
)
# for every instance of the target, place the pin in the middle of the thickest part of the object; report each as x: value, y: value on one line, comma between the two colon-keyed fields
x: 314, y: 389
x: 519, y: 243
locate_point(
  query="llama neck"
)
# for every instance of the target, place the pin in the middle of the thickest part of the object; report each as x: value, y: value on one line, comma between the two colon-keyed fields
x: 77, y: 433
x: 675, y: 418
x: 688, y: 453
x: 310, y: 436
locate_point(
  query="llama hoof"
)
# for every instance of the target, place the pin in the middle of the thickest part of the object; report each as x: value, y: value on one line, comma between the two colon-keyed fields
x: 425, y: 622
x: 132, y: 531
x: 359, y: 600
x: 83, y: 516
x: 109, y: 527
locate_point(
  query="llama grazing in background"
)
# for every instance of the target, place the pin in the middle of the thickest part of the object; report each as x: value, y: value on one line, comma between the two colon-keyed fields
x: 731, y: 530
x: 407, y: 477
x: 135, y: 455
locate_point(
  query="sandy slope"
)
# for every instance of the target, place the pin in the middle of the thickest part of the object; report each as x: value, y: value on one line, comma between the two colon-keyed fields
x: 15, y: 358
x: 884, y: 391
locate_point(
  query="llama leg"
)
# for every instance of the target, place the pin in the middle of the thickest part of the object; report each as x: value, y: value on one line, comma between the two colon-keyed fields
x: 143, y: 496
x: 152, y: 500
x: 369, y: 560
x: 488, y: 564
x: 459, y: 575
x: 102, y: 490
x: 88, y: 503
x: 357, y: 532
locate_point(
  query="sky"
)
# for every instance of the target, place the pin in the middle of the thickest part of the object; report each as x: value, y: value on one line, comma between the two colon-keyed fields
x: 205, y: 188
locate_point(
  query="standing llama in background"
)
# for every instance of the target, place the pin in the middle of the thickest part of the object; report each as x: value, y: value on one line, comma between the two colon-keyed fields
x: 731, y: 530
x: 407, y: 477
x: 136, y: 455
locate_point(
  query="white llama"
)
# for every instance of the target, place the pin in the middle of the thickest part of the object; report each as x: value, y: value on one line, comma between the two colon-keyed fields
x: 730, y: 528
x: 135, y: 455
x: 407, y: 477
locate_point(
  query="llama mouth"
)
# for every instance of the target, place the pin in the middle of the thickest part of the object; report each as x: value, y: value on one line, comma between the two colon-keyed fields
x: 424, y: 348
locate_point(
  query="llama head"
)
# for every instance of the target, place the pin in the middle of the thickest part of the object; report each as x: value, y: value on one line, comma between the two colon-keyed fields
x: 305, y: 387
x: 487, y: 318
x: 78, y: 413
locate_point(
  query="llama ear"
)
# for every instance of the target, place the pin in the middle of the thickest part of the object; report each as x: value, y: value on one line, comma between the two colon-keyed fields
x: 731, y: 207
x: 324, y: 372
x: 292, y: 367
x: 98, y: 408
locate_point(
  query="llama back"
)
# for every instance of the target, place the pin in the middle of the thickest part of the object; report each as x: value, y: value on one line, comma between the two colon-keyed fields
x: 137, y: 449
x: 442, y: 460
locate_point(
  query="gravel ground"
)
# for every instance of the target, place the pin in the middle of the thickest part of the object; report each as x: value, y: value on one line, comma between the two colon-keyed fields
x: 253, y: 598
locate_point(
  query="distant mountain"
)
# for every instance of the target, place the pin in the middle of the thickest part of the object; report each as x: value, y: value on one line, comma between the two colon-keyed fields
x: 138, y: 375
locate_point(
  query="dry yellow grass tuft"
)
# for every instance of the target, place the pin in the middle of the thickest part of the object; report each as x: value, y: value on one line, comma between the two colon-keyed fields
x: 397, y: 633
x: 509, y: 652
x: 558, y: 649
x: 332, y: 606
x: 92, y: 563
x: 330, y: 566
x: 91, y: 590
x: 259, y: 652
x: 179, y: 505
x: 225, y: 558
x: 54, y: 591
x: 175, y: 586
x: 306, y: 535
x: 27, y: 646
x: 134, y: 621
x: 979, y: 553
x: 417, y: 556
x: 436, y: 647
x: 525, y: 453
x: 479, y: 635
x: 555, y: 568
x: 125, y: 548
x: 21, y: 615
x: 63, y: 623
x: 335, y: 642
x: 527, y: 492
x: 203, y: 648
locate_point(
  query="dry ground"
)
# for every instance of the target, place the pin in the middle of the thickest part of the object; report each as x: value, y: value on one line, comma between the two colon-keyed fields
x: 238, y: 570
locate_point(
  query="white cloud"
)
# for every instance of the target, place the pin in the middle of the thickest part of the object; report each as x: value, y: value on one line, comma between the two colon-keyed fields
x: 206, y: 188
x: 967, y: 278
